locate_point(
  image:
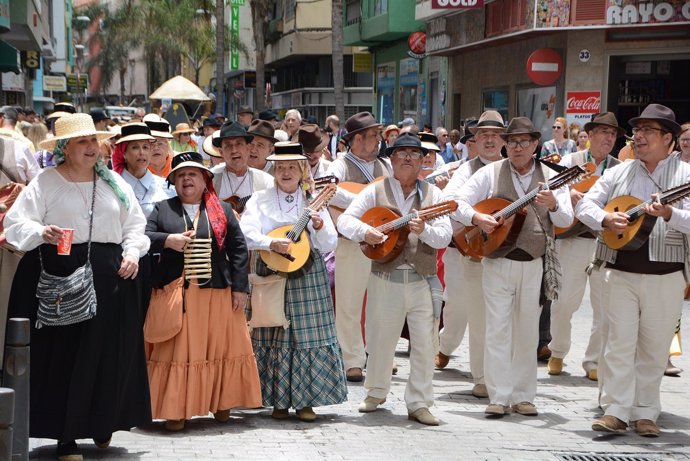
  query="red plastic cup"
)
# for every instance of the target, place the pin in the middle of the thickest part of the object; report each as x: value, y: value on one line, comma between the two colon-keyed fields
x: 64, y: 245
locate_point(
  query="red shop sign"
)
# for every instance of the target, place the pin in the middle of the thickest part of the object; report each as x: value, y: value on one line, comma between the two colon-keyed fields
x: 583, y: 102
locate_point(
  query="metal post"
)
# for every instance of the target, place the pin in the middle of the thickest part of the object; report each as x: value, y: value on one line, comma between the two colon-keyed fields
x: 17, y: 378
x: 6, y: 420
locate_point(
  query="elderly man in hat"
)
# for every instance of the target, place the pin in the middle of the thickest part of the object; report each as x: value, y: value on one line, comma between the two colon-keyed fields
x: 235, y: 179
x: 463, y: 274
x: 360, y: 165
x: 575, y: 251
x: 643, y: 287
x: 245, y: 116
x: 398, y: 290
x: 513, y: 273
x: 315, y: 145
x: 262, y: 145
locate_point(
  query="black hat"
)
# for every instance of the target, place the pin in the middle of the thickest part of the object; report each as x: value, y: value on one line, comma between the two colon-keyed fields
x: 661, y: 114
x: 520, y: 125
x: 267, y: 115
x: 232, y: 130
x: 245, y: 110
x: 406, y: 140
x: 98, y: 114
x: 468, y: 133
x: 135, y: 131
x: 359, y: 122
x: 605, y: 119
x: 185, y: 159
x: 212, y: 121
x: 429, y: 141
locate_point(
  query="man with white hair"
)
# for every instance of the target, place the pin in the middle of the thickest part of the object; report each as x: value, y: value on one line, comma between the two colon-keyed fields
x: 292, y: 121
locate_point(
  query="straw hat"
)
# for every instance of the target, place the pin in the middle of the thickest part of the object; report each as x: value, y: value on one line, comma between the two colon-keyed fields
x: 183, y: 128
x: 208, y: 146
x: 489, y: 120
x: 187, y: 159
x: 429, y: 141
x: 71, y: 126
x: 137, y: 131
x: 390, y: 128
x: 61, y: 109
x: 287, y: 151
x: 160, y: 127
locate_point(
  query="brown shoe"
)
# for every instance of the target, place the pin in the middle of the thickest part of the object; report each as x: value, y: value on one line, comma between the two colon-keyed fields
x: 609, y: 423
x: 555, y: 366
x: 354, y: 375
x: 306, y: 414
x: 280, y: 413
x: 174, y: 425
x: 479, y: 391
x: 525, y: 409
x: 544, y: 353
x: 496, y: 409
x: 593, y: 375
x: 646, y: 428
x: 222, y: 416
x: 441, y: 360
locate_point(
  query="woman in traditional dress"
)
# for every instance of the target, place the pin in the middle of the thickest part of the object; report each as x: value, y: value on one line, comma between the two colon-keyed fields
x: 209, y: 365
x: 300, y: 367
x: 161, y: 152
x: 88, y: 379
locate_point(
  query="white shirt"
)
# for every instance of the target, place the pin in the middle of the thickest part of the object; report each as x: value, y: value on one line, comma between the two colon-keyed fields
x: 51, y: 199
x: 268, y: 209
x: 321, y: 168
x: 590, y: 211
x: 452, y: 189
x: 437, y: 233
x: 27, y: 167
x: 463, y: 148
x: 338, y: 168
x: 241, y: 186
x: 149, y: 190
x: 480, y: 187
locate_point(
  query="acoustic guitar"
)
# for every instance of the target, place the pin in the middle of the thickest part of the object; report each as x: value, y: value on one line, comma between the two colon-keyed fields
x: 474, y: 242
x: 585, y: 184
x: 431, y: 179
x: 395, y: 227
x: 640, y: 223
x: 353, y: 187
x: 299, y: 249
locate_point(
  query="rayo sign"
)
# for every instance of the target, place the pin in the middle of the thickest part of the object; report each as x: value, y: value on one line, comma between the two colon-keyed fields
x: 648, y: 12
x: 583, y: 102
x: 457, y: 4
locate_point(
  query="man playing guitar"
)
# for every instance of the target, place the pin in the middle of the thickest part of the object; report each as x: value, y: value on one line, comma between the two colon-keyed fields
x: 399, y: 289
x: 513, y: 273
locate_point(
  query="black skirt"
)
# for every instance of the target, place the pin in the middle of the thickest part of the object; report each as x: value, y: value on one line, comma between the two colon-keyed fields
x: 88, y: 380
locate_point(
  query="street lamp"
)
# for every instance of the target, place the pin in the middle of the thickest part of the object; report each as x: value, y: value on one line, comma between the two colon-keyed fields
x: 82, y: 22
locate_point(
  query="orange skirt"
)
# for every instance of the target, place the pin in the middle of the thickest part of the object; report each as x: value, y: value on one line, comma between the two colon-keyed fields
x: 209, y: 366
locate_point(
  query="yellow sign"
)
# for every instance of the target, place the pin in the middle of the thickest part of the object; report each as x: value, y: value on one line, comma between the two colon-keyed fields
x: 362, y: 62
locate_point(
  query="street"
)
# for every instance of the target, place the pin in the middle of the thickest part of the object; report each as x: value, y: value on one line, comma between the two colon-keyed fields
x: 567, y: 404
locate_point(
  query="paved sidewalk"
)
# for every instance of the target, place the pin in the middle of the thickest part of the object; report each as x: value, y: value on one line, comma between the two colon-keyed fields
x: 567, y: 404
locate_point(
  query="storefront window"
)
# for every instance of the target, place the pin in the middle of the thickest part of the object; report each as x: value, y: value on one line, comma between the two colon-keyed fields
x: 385, y: 87
x: 496, y: 99
x: 380, y: 7
x: 409, y: 76
x: 537, y: 104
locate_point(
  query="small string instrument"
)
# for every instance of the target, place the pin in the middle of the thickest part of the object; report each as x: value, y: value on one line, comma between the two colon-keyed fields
x: 431, y: 179
x: 299, y: 249
x: 577, y: 228
x: 353, y: 187
x: 474, y: 242
x: 395, y: 227
x: 640, y: 223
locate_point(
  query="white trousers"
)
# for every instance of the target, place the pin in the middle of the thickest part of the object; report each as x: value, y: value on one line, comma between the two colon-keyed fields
x: 8, y: 266
x: 642, y: 311
x: 388, y: 305
x: 511, y: 293
x: 464, y: 296
x: 352, y: 271
x: 575, y: 254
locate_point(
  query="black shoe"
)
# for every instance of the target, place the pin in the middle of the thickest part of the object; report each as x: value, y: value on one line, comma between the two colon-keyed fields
x: 68, y: 451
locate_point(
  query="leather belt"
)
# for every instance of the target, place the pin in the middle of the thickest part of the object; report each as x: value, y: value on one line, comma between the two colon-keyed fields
x: 400, y: 276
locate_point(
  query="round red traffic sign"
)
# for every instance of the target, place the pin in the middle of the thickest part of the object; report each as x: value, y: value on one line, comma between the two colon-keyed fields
x: 544, y: 66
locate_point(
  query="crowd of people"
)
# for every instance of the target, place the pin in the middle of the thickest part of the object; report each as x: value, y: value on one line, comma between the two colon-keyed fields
x: 192, y: 234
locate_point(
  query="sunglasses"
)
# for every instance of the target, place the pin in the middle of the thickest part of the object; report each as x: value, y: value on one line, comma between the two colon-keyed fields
x: 556, y: 127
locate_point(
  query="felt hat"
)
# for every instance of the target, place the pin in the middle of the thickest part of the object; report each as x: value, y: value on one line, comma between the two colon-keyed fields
x: 311, y: 139
x: 520, y: 125
x: 660, y: 114
x: 187, y: 159
x: 232, y: 130
x: 407, y: 140
x: 262, y: 128
x: 490, y: 119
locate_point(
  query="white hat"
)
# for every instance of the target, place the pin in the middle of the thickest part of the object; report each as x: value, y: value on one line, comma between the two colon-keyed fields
x: 71, y: 126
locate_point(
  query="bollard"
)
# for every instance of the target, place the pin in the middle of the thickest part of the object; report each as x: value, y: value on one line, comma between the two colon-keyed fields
x: 17, y: 378
x: 6, y: 420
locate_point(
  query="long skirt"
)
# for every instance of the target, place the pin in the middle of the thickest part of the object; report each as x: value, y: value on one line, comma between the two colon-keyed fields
x: 302, y: 366
x: 209, y: 365
x: 88, y: 380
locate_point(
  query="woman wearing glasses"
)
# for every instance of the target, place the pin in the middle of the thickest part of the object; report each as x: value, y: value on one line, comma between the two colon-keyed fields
x: 560, y: 144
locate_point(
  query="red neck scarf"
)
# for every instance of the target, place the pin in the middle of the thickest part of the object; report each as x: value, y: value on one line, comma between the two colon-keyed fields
x: 215, y: 213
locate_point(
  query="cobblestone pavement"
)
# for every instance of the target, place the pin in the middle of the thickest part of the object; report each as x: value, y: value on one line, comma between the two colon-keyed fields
x: 567, y: 404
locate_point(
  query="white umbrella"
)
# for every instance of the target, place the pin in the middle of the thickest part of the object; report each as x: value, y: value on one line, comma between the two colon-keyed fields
x: 179, y: 88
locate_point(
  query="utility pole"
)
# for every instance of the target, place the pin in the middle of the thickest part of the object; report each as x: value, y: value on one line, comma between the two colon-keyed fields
x: 220, y: 56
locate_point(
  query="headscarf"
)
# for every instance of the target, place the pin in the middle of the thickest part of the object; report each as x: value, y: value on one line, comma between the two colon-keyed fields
x: 101, y: 170
x: 118, y: 158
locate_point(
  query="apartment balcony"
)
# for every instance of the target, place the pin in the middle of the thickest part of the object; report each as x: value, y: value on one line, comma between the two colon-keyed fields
x: 371, y: 22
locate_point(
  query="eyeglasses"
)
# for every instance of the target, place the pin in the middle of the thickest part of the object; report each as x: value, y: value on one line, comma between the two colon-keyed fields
x: 684, y: 140
x: 645, y: 130
x: 556, y: 127
x: 523, y: 144
x: 404, y: 155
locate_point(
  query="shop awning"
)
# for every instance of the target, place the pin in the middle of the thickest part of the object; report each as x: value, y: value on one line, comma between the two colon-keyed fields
x: 9, y: 58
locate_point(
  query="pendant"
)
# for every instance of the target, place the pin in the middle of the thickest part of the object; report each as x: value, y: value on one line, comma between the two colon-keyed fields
x: 289, y: 198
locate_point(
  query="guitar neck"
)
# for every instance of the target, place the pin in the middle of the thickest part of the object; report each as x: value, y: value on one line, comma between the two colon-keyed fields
x: 432, y: 178
x: 424, y: 214
x: 666, y: 197
x: 319, y: 202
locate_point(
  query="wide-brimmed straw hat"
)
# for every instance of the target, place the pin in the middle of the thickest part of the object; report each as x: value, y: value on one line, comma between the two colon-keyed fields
x: 160, y: 127
x: 187, y: 159
x: 520, y: 125
x: 489, y: 120
x: 311, y: 138
x: 287, y: 151
x: 407, y: 140
x: 183, y: 128
x: 73, y: 126
x: 208, y: 146
x: 429, y: 141
x: 358, y: 123
x: 61, y: 109
x: 136, y: 131
x: 660, y: 114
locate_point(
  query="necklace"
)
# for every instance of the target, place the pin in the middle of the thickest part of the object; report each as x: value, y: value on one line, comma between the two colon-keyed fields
x: 289, y: 198
x: 84, y: 197
x: 239, y: 186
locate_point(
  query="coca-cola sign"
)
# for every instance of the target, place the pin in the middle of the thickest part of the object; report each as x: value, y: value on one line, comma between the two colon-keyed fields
x: 583, y: 102
x: 456, y: 4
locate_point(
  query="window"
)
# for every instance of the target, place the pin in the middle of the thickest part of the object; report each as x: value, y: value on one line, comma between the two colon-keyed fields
x: 496, y: 99
x: 380, y: 7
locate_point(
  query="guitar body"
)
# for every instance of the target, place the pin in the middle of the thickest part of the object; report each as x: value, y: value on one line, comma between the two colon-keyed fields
x: 299, y: 250
x: 356, y: 187
x: 393, y: 245
x: 237, y: 203
x: 576, y: 228
x: 477, y: 244
x: 637, y: 231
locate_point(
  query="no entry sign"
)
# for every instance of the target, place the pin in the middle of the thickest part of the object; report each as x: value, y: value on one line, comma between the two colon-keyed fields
x: 544, y: 66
